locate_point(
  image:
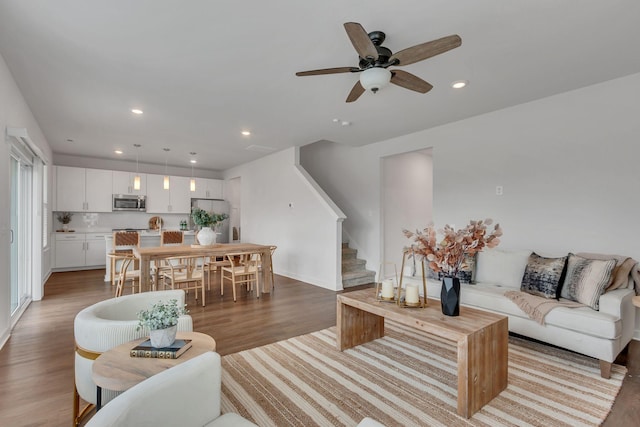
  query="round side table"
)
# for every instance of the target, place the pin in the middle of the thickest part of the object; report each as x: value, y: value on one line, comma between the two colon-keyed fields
x: 116, y: 370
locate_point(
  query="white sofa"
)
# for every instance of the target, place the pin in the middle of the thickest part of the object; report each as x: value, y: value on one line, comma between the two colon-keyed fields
x: 601, y: 334
x: 105, y: 325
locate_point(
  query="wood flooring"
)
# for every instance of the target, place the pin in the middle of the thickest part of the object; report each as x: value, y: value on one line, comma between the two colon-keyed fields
x: 36, y: 364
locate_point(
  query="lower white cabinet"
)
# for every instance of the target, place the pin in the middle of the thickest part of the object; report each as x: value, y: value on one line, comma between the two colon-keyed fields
x: 80, y: 250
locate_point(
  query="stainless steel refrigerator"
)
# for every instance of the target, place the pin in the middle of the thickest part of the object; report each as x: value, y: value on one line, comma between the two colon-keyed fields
x: 213, y: 206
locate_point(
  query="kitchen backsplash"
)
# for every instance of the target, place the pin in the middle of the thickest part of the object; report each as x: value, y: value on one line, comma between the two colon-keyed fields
x: 108, y: 221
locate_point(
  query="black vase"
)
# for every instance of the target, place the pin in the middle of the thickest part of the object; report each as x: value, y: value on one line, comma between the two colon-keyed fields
x: 450, y: 296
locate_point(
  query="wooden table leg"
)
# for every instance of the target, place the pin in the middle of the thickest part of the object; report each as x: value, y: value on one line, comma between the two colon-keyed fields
x: 265, y: 259
x: 482, y: 367
x: 145, y: 275
x: 355, y: 326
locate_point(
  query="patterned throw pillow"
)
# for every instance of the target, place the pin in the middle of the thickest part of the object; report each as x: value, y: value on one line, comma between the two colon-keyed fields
x: 543, y: 276
x: 466, y: 274
x: 587, y: 279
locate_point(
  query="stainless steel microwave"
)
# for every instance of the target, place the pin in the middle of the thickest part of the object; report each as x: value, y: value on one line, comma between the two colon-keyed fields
x: 129, y: 202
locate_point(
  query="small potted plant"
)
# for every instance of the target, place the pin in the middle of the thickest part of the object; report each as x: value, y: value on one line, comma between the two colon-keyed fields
x: 207, y: 222
x: 162, y: 322
x: 65, y: 219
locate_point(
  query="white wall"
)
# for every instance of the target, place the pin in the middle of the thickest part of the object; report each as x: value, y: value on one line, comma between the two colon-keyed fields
x: 14, y: 112
x: 568, y: 165
x: 280, y: 206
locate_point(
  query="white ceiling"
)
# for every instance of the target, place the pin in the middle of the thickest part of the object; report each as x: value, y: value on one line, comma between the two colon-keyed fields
x: 204, y: 70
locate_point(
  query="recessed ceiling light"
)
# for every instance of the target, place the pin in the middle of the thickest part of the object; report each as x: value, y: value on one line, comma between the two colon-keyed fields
x: 345, y: 123
x: 118, y: 151
x: 246, y: 133
x: 459, y: 84
x: 136, y: 111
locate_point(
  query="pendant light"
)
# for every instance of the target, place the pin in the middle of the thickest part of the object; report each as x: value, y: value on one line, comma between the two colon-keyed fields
x: 136, y: 179
x: 165, y: 182
x: 192, y: 183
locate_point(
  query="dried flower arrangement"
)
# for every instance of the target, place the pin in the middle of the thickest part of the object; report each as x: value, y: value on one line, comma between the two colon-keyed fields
x: 448, y: 255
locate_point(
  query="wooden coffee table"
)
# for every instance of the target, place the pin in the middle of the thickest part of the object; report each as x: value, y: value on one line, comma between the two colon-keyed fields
x: 481, y: 337
x: 116, y: 370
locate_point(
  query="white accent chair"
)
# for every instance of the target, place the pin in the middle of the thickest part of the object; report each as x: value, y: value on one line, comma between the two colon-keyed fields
x: 105, y: 325
x: 187, y: 395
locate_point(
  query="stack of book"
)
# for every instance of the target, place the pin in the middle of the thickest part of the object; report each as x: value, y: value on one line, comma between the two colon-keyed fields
x: 145, y: 349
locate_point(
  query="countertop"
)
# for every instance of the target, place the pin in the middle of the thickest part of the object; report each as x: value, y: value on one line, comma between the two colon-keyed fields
x: 143, y: 233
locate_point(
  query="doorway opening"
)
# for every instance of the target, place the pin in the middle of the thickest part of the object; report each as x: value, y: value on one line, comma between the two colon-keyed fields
x: 406, y: 200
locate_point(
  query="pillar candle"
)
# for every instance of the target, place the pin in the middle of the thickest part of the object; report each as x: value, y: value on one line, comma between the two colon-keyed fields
x: 412, y: 296
x: 387, y: 288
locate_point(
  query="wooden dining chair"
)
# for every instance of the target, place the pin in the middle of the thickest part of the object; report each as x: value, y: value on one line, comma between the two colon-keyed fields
x: 272, y: 248
x: 125, y: 275
x: 213, y: 264
x: 123, y: 244
x: 168, y: 237
x: 243, y: 270
x: 188, y: 276
x: 171, y: 237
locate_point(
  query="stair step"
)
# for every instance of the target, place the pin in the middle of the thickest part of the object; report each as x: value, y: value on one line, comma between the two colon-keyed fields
x: 354, y: 264
x: 357, y: 278
x: 348, y: 253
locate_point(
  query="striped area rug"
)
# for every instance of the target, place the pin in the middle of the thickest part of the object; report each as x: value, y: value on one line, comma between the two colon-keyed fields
x: 408, y: 379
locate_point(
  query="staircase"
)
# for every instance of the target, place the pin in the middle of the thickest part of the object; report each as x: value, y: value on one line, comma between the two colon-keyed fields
x: 353, y: 269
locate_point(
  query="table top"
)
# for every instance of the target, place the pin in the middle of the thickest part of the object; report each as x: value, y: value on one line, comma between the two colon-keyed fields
x: 116, y: 370
x: 429, y: 318
x: 179, y: 250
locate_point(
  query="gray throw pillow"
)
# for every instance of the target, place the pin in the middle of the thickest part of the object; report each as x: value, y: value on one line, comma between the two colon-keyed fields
x: 587, y: 279
x: 543, y: 276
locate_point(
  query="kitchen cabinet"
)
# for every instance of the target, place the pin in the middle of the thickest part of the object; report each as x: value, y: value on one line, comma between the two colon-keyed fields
x: 123, y: 183
x: 208, y: 189
x: 83, y: 190
x: 177, y: 199
x: 80, y: 250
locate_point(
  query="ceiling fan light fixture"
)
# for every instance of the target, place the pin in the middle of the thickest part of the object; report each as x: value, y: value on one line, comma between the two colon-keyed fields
x: 375, y: 78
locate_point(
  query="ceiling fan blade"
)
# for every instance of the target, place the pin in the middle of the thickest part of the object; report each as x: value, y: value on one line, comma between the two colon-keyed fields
x: 409, y: 81
x: 426, y: 50
x: 328, y: 71
x: 355, y: 93
x: 361, y: 41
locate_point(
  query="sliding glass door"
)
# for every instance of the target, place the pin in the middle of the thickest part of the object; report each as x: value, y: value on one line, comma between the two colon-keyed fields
x: 21, y: 230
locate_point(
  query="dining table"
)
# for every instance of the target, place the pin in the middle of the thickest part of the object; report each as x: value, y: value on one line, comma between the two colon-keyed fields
x: 151, y: 254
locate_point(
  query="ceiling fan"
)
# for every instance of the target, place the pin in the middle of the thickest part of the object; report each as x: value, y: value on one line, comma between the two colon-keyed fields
x: 375, y: 59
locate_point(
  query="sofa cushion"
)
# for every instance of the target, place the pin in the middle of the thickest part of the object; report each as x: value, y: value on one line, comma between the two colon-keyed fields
x: 586, y: 279
x: 543, y: 276
x: 504, y: 268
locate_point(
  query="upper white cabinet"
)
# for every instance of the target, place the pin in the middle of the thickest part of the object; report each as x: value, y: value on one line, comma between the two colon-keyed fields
x: 177, y: 199
x: 208, y: 189
x: 123, y: 183
x: 83, y: 190
x: 70, y: 185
